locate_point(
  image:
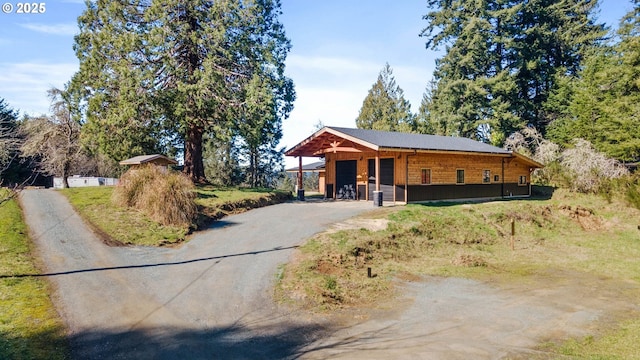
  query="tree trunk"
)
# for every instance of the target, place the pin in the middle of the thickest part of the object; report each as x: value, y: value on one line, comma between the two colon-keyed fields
x: 193, y: 166
x: 65, y: 175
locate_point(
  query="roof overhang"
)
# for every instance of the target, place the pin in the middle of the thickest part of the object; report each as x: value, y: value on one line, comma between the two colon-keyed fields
x: 328, y: 140
x: 528, y: 161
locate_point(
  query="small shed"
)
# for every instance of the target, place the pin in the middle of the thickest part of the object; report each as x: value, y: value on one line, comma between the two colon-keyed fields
x: 155, y: 159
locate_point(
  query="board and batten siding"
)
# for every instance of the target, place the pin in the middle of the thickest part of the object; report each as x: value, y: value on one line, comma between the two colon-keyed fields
x: 443, y: 168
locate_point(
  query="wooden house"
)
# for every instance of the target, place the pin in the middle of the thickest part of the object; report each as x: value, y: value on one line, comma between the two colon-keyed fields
x: 402, y: 167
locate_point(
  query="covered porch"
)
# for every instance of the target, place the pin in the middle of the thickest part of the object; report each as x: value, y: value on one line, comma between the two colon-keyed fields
x: 354, y: 169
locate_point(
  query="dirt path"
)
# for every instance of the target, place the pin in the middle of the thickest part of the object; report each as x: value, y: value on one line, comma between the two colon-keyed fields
x: 212, y: 298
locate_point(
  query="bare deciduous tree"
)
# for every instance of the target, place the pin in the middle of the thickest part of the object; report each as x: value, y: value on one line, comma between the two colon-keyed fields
x: 55, y: 140
x: 588, y: 168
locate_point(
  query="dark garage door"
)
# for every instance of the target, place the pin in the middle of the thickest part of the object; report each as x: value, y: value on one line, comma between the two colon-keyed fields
x: 346, y: 179
x: 386, y: 178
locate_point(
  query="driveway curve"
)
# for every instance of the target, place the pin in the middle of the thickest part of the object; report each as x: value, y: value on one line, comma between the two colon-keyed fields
x: 210, y: 298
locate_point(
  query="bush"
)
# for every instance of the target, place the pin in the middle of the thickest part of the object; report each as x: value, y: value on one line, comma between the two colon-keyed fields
x: 589, y: 170
x: 165, y: 196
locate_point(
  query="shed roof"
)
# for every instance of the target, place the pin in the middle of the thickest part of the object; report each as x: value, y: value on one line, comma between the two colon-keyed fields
x: 144, y: 159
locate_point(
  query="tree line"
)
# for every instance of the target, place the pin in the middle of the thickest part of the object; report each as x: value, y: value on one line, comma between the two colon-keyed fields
x: 203, y: 80
x: 510, y: 65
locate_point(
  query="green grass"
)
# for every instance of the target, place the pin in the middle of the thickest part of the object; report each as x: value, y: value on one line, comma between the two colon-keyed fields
x: 216, y: 202
x: 128, y: 226
x: 30, y: 327
x: 567, y: 234
x: 621, y: 343
x: 119, y: 224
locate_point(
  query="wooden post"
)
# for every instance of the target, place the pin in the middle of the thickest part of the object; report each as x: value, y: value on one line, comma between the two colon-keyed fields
x: 377, y: 171
x: 513, y: 234
x: 377, y: 194
x: 300, y: 186
x: 299, y: 172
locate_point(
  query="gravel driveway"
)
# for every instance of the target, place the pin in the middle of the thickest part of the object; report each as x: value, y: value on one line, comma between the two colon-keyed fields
x: 210, y: 298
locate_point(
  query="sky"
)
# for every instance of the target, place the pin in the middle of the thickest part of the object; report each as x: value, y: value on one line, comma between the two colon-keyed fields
x: 338, y: 49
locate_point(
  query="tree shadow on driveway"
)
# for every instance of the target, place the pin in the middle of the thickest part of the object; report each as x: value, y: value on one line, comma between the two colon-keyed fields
x: 70, y: 272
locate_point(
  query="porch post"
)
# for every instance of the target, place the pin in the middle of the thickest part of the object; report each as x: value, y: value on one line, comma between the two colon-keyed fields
x: 377, y: 194
x: 300, y: 186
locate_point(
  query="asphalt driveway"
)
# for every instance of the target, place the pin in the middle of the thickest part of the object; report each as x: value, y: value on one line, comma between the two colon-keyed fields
x: 210, y: 298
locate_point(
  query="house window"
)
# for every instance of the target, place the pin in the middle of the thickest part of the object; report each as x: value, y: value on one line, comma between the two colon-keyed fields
x: 486, y: 176
x: 496, y: 178
x: 523, y: 180
x: 425, y: 177
x: 459, y: 176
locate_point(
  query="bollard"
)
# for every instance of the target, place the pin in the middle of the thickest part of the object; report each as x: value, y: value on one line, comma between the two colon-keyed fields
x: 369, y: 272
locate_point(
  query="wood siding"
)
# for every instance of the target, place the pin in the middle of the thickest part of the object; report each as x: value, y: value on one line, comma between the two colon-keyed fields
x: 443, y: 168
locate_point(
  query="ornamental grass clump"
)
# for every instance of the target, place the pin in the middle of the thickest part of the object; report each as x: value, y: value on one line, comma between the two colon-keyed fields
x: 165, y: 196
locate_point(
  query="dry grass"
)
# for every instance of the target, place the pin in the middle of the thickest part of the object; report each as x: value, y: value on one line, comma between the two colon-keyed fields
x: 573, y: 232
x: 165, y: 196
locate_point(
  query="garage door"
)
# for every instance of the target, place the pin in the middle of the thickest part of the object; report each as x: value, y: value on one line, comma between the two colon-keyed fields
x: 386, y: 178
x: 346, y: 171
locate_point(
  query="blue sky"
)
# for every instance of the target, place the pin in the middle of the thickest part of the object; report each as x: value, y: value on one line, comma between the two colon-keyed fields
x: 339, y: 47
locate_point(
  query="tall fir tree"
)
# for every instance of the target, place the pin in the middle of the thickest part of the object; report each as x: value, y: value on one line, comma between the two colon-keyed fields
x: 501, y: 60
x: 153, y: 70
x: 385, y: 108
x: 602, y: 103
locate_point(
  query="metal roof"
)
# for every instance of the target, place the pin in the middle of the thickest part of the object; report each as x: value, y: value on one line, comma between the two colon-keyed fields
x: 317, y: 166
x: 398, y: 140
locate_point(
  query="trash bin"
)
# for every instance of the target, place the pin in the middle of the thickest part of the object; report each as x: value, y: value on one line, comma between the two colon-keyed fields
x: 377, y: 198
x: 301, y: 194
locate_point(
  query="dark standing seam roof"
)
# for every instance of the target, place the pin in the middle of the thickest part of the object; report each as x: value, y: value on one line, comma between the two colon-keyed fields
x: 390, y: 139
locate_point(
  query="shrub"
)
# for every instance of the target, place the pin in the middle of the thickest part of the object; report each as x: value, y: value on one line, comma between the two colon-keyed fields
x: 165, y: 196
x: 588, y: 169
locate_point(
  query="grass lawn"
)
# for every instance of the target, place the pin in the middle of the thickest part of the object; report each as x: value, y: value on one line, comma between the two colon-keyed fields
x: 29, y: 324
x: 569, y: 233
x: 131, y: 227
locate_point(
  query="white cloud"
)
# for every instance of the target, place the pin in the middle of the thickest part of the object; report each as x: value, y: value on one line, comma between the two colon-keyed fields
x: 332, y: 89
x: 24, y: 86
x: 69, y: 29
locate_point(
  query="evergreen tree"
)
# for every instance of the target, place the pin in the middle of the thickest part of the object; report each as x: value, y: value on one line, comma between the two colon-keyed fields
x: 385, y: 107
x: 153, y: 70
x: 603, y: 101
x: 501, y: 61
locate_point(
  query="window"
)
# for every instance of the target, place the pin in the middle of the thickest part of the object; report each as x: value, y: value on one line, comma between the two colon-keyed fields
x: 496, y: 178
x: 523, y: 180
x: 459, y: 176
x: 486, y: 176
x: 425, y: 178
